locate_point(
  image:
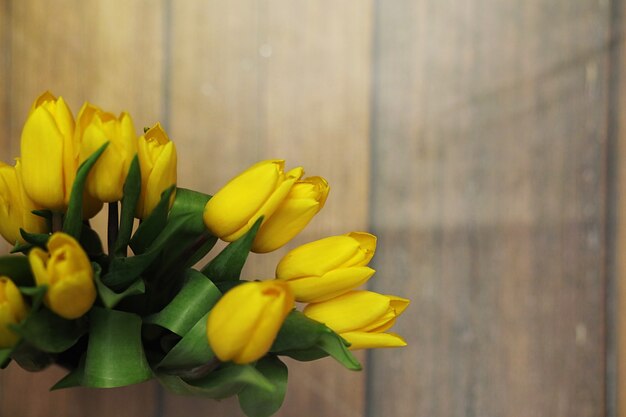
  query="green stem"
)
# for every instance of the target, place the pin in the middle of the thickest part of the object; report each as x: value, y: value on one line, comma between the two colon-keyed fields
x: 113, y: 226
x: 57, y: 221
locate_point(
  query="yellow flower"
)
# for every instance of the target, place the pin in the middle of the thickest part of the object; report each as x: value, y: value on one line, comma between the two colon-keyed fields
x: 67, y: 273
x: 47, y: 152
x: 16, y: 207
x: 12, y: 311
x: 361, y: 317
x: 93, y: 129
x: 305, y: 199
x: 329, y: 267
x: 157, y: 160
x: 245, y: 321
x: 256, y: 192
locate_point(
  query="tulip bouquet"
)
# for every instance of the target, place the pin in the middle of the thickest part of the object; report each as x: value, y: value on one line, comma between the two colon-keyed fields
x: 142, y: 308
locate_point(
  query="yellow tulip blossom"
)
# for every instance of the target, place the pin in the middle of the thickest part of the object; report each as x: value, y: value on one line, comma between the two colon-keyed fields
x: 361, y: 317
x: 157, y: 160
x: 305, y: 199
x: 16, y: 207
x: 12, y: 311
x: 256, y: 192
x: 328, y: 267
x: 47, y: 153
x: 245, y: 321
x: 94, y: 128
x: 67, y: 272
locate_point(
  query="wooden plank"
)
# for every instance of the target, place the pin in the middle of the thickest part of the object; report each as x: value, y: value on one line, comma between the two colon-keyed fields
x: 5, y: 92
x: 109, y: 53
x: 489, y: 192
x: 280, y: 79
x: 618, y: 228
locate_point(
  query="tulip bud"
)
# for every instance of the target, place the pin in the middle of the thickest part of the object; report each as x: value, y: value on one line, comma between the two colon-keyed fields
x: 305, y: 199
x: 157, y: 160
x: 361, y: 317
x: 66, y: 270
x: 12, y: 311
x: 329, y: 267
x: 47, y: 153
x: 16, y: 207
x: 256, y: 192
x: 245, y: 321
x: 93, y: 129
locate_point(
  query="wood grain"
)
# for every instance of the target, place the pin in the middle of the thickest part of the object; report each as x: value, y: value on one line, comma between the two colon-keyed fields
x: 111, y: 54
x: 286, y: 80
x: 489, y: 195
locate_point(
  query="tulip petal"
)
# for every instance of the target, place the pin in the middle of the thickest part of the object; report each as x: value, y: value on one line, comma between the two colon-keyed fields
x: 42, y: 160
x: 352, y: 311
x: 232, y: 207
x: 72, y: 296
x: 38, y: 259
x: 364, y: 340
x: 162, y: 176
x: 318, y: 257
x: 8, y: 337
x: 367, y: 246
x: 329, y: 285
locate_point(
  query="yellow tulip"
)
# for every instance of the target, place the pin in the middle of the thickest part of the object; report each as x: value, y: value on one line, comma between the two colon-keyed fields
x: 157, y: 160
x: 256, y: 192
x: 329, y: 267
x: 361, y: 317
x: 67, y: 272
x: 16, y: 207
x: 245, y: 321
x: 94, y: 128
x: 47, y: 152
x: 305, y: 199
x: 12, y: 311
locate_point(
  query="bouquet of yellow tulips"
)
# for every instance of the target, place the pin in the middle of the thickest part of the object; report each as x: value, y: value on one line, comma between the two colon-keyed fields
x: 114, y: 319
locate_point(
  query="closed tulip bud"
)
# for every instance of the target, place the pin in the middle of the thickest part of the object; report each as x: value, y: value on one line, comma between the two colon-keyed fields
x: 256, y: 192
x: 93, y: 129
x: 329, y: 267
x: 305, y: 199
x: 12, y: 311
x: 245, y: 321
x: 67, y: 272
x: 157, y: 160
x: 361, y: 317
x: 47, y: 153
x: 16, y: 207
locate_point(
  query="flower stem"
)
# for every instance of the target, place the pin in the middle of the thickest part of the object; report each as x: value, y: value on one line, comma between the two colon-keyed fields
x: 57, y: 221
x: 113, y: 227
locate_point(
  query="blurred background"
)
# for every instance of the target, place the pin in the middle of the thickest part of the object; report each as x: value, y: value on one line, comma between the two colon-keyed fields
x: 483, y: 141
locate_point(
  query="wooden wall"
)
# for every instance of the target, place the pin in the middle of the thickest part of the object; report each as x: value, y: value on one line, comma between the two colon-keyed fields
x: 481, y: 141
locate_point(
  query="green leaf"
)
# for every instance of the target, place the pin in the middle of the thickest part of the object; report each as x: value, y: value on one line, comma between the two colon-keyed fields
x: 74, y: 217
x: 5, y: 357
x: 124, y: 271
x: 90, y: 241
x: 31, y: 359
x: 226, y: 381
x: 17, y: 268
x: 298, y: 332
x: 305, y: 339
x: 132, y: 191
x: 228, y: 264
x: 115, y: 355
x: 35, y: 239
x: 50, y: 333
x: 197, y: 296
x: 257, y: 402
x: 73, y: 379
x: 152, y: 226
x: 36, y: 294
x: 111, y: 298
x: 335, y: 346
x: 191, y: 351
